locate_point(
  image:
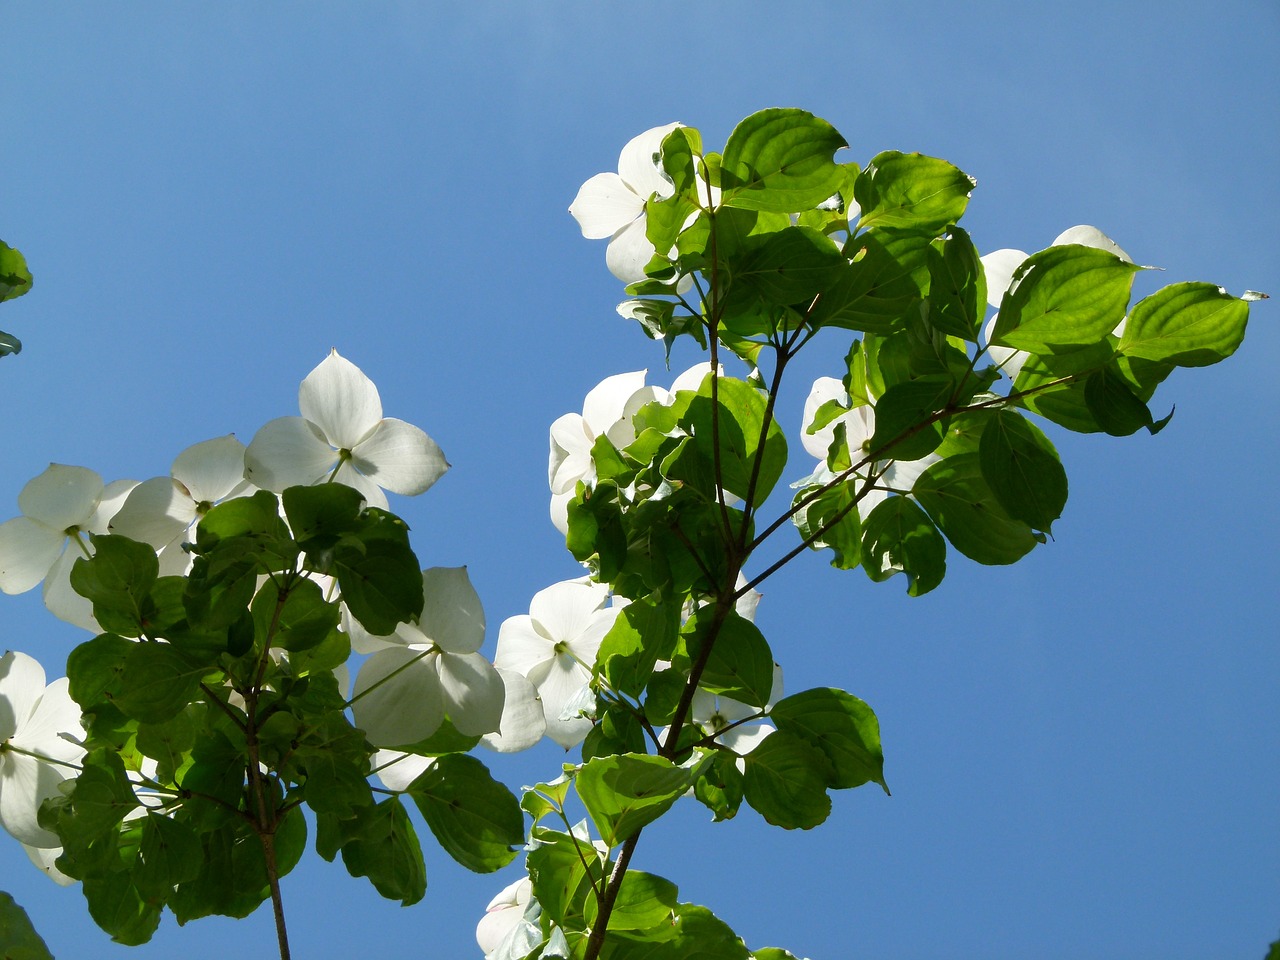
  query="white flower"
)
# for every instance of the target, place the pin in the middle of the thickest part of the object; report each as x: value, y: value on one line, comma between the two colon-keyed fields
x: 555, y: 647
x: 612, y: 204
x: 728, y: 721
x: 501, y: 927
x: 37, y: 752
x: 606, y: 411
x: 428, y: 669
x: 859, y: 428
x: 61, y: 504
x: 161, y: 511
x: 1000, y: 266
x: 398, y: 770
x: 342, y: 435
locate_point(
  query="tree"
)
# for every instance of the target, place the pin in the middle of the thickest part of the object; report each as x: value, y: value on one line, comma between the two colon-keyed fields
x: 227, y: 598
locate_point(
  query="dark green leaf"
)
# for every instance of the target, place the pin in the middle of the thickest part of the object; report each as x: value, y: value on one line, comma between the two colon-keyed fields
x: 385, y: 849
x: 157, y: 682
x: 957, y: 287
x: 899, y: 537
x: 842, y: 727
x: 1114, y: 405
x: 474, y: 817
x: 786, y: 781
x: 909, y: 424
x: 830, y: 519
x: 643, y: 633
x: 957, y: 498
x: 117, y: 580
x: 880, y: 287
x: 645, y: 903
x: 18, y: 938
x: 740, y: 665
x: 1022, y: 469
x: 719, y: 788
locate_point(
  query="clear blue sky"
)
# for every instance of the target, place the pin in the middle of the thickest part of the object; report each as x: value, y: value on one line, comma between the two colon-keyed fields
x: 1083, y: 748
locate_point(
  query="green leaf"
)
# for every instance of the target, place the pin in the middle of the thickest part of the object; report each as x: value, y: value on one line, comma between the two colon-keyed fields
x: 385, y: 849
x: 881, y: 285
x: 304, y: 620
x: 319, y: 515
x: 118, y: 908
x: 957, y: 287
x: 740, y: 665
x: 623, y: 793
x: 170, y: 853
x: 117, y: 580
x: 15, y: 278
x: 836, y: 507
x: 908, y: 421
x: 1022, y: 469
x: 1068, y: 296
x: 157, y: 682
x: 957, y: 498
x: 645, y: 903
x: 1115, y: 407
x: 911, y: 191
x: 644, y: 632
x: 780, y: 160
x: 18, y: 938
x: 95, y: 668
x: 899, y: 537
x: 380, y: 582
x: 786, y: 781
x: 791, y: 266
x: 563, y: 869
x: 843, y: 727
x: 474, y: 817
x: 740, y: 426
x: 1188, y: 324
x: 719, y: 788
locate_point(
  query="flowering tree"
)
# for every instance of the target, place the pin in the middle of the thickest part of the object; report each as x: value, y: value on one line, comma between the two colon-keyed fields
x: 213, y: 704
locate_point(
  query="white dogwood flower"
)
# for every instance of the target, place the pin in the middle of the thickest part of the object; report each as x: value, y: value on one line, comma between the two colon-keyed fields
x: 40, y: 728
x: 343, y: 436
x: 428, y: 669
x: 161, y: 511
x: 554, y: 645
x: 612, y: 204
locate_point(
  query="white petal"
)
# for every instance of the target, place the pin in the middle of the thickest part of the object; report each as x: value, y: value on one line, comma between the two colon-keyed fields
x: 27, y: 550
x: 999, y: 267
x: 503, y: 915
x: 62, y: 601
x: 570, y: 458
x: 473, y: 692
x: 629, y: 252
x: 560, y: 511
x: 53, y: 726
x: 522, y: 724
x: 399, y: 457
x: 212, y: 469
x: 362, y: 641
x: 21, y: 688
x: 156, y: 512
x: 398, y: 770
x: 349, y: 476
x: 604, y: 205
x: 1088, y: 236
x: 338, y: 398
x: 818, y: 442
x: 25, y: 783
x: 113, y: 498
x: 452, y: 617
x: 287, y: 452
x: 564, y: 610
x: 604, y: 405
x: 562, y: 683
x: 639, y: 164
x: 43, y: 858
x: 403, y: 702
x: 623, y: 430
x: 692, y: 378
x: 62, y: 496
x: 522, y: 648
x: 742, y: 740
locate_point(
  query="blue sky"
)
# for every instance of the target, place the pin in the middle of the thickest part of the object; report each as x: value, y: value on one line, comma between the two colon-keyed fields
x: 1082, y: 748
